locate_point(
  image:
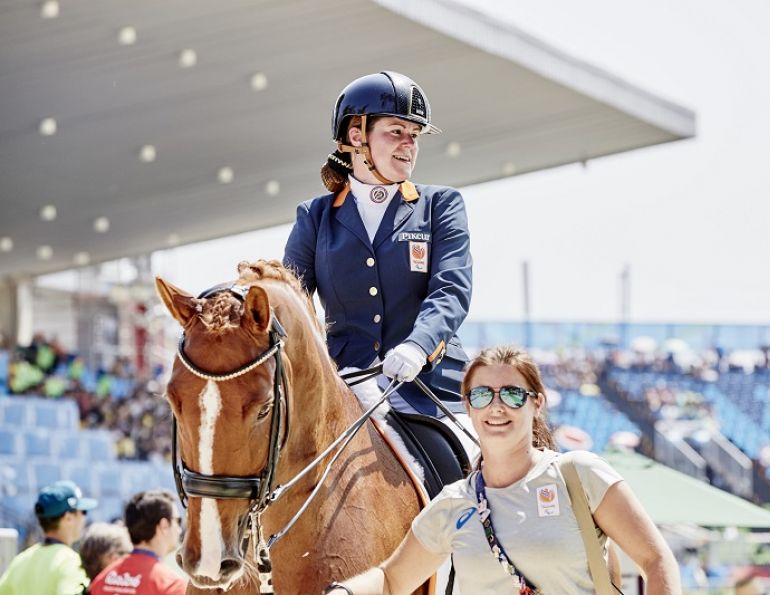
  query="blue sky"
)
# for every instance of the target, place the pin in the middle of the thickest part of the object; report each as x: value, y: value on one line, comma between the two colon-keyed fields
x: 689, y: 218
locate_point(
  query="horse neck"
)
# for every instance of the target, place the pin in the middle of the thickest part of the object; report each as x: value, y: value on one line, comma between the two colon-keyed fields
x: 320, y: 397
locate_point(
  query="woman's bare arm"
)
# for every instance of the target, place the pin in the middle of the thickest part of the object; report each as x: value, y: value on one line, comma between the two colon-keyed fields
x: 622, y: 517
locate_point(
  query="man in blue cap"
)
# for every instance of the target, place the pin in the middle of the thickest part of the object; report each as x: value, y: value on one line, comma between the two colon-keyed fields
x: 52, y: 567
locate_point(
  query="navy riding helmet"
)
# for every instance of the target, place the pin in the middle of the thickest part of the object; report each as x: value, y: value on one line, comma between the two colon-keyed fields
x: 383, y: 94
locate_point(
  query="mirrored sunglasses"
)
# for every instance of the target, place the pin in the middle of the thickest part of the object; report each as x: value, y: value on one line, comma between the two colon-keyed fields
x: 512, y: 396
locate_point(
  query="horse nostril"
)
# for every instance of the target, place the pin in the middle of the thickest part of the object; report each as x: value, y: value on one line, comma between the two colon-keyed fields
x: 229, y: 566
x: 180, y: 559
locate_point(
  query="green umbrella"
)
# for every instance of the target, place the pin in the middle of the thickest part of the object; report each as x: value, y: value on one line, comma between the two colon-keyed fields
x: 673, y: 498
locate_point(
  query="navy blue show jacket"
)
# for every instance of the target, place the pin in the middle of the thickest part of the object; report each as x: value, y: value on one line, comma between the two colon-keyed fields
x: 372, y: 299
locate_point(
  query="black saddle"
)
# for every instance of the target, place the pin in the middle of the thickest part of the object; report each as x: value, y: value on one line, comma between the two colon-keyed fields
x: 434, y: 446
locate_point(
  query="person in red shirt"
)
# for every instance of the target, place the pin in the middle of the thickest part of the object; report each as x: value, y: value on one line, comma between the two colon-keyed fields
x: 154, y: 524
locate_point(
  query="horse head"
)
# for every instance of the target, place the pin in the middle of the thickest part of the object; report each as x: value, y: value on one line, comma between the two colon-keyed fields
x: 229, y: 391
x: 253, y: 380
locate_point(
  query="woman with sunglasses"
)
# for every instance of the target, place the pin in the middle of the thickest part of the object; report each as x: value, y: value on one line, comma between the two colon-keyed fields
x: 517, y: 502
x: 390, y: 260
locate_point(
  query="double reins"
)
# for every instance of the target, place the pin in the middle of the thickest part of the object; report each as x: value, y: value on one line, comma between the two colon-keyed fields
x: 259, y: 490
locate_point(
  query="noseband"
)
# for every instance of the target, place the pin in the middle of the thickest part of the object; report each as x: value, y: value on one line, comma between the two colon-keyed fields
x: 257, y: 489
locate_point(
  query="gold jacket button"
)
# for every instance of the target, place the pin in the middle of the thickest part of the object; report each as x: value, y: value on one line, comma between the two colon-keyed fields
x: 372, y: 291
x: 376, y: 345
x: 370, y: 262
x: 377, y: 318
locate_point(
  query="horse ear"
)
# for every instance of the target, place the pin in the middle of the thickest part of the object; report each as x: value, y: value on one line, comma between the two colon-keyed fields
x: 257, y: 309
x: 182, y: 306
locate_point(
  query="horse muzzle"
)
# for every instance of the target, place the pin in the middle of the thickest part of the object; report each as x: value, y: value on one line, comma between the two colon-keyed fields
x: 211, y: 574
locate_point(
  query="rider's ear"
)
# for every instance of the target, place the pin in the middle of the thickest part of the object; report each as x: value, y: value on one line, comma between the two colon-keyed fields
x: 182, y: 306
x: 355, y: 136
x: 257, y: 311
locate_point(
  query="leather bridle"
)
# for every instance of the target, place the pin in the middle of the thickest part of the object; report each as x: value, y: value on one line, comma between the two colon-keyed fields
x: 257, y: 489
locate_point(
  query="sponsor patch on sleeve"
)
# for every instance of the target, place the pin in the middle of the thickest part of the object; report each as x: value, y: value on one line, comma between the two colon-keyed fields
x: 418, y: 257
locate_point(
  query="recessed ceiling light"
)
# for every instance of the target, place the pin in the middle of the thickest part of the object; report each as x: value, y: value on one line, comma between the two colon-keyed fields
x: 188, y: 58
x: 272, y: 187
x: 101, y: 225
x: 453, y: 149
x: 44, y: 252
x: 47, y: 127
x: 127, y: 36
x: 147, y: 154
x: 48, y: 213
x: 259, y: 81
x: 173, y: 239
x: 49, y: 9
x: 509, y: 168
x: 6, y: 244
x: 225, y: 175
x: 82, y: 259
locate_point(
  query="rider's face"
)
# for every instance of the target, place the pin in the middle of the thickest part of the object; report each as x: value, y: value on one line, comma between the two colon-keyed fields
x: 394, y: 149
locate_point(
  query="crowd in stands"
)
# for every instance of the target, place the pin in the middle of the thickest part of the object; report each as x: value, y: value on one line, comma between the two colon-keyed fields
x: 137, y: 415
x: 134, y: 411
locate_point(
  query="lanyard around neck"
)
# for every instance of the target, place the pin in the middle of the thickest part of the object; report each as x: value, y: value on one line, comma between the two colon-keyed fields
x: 520, y: 582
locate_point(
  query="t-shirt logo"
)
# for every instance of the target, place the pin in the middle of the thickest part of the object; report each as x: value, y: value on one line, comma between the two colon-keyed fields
x: 547, y: 500
x: 464, y: 517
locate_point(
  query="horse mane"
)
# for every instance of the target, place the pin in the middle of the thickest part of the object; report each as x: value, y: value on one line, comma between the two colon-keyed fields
x: 223, y: 311
x: 268, y: 269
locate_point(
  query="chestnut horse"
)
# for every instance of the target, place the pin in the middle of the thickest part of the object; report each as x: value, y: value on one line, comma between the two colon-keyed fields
x: 252, y: 377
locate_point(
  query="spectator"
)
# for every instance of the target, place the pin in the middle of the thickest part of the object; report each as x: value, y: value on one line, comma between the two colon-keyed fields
x: 52, y: 567
x: 154, y: 524
x: 103, y: 544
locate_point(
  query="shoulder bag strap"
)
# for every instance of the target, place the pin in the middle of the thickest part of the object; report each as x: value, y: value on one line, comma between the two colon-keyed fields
x: 596, y: 564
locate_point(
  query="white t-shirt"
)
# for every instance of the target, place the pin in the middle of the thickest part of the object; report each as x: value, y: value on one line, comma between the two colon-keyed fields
x: 539, y: 533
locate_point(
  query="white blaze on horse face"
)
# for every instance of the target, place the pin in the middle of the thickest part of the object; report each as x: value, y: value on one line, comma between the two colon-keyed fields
x: 210, y: 526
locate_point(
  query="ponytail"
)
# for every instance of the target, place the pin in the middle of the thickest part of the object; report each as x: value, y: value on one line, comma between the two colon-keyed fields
x: 334, y: 173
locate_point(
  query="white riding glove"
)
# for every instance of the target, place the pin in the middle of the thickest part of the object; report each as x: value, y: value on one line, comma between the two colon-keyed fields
x: 404, y: 362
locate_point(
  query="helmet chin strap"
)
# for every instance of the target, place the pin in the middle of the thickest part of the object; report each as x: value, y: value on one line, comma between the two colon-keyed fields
x: 364, y: 148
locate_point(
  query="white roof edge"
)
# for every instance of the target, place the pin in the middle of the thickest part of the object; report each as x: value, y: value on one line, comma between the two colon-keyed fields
x: 479, y: 30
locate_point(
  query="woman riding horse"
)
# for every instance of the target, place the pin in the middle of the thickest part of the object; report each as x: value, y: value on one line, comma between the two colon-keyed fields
x: 256, y: 398
x: 390, y: 260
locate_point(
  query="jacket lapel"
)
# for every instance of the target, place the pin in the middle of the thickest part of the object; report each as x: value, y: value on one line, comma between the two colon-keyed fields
x: 396, y: 215
x: 347, y: 215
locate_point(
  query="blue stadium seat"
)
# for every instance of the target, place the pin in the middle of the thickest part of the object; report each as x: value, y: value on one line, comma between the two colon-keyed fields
x: 13, y: 411
x: 68, y: 444
x: 45, y: 413
x: 44, y: 473
x: 99, y: 445
x: 37, y: 442
x: 14, y: 476
x: 10, y: 441
x: 110, y: 480
x: 52, y: 413
x: 109, y: 510
x: 19, y: 512
x: 82, y: 473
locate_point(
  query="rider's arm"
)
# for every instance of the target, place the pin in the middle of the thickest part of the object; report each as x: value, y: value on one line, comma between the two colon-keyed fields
x: 449, y: 288
x: 299, y: 254
x: 409, y: 566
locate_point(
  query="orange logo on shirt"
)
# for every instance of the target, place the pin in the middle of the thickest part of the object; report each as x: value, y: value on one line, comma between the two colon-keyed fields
x: 418, y: 252
x: 546, y: 495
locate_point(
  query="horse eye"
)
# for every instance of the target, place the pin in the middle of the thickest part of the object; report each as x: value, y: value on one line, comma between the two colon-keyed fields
x: 264, y: 411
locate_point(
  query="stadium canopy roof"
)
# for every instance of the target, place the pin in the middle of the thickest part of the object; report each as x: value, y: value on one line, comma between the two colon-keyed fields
x: 673, y: 498
x: 256, y: 97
